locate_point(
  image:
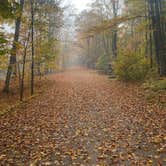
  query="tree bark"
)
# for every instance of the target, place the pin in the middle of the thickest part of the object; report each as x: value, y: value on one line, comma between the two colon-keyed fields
x: 115, y: 7
x: 156, y: 15
x: 23, y: 70
x: 32, y: 40
x: 12, y: 61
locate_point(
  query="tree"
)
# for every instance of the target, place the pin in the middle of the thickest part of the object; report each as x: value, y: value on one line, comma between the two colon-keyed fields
x: 12, y: 61
x: 32, y: 42
x: 115, y: 8
x: 6, y: 9
x: 24, y: 62
x: 156, y: 12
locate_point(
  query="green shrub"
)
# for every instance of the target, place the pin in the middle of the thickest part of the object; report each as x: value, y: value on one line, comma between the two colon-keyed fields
x: 153, y: 74
x: 103, y: 63
x: 155, y: 91
x: 131, y: 66
x: 156, y: 85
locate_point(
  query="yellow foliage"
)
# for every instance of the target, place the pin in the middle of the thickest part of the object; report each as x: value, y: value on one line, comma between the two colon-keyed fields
x: 131, y: 66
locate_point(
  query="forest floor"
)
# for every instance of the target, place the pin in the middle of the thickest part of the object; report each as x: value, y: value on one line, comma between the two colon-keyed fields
x: 85, y: 119
x: 11, y: 100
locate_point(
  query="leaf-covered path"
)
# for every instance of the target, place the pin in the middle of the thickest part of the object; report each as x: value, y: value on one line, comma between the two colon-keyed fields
x: 81, y: 120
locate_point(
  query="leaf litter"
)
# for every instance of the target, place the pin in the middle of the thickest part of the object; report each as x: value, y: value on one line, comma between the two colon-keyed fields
x: 85, y: 119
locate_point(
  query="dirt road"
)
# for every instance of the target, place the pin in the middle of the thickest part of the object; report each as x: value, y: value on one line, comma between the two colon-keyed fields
x: 77, y: 122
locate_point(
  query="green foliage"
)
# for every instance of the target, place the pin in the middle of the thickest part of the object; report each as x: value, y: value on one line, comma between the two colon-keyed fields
x: 103, y: 63
x: 3, y: 41
x: 153, y: 74
x: 6, y: 9
x: 155, y: 90
x: 131, y: 66
x: 156, y: 85
x: 47, y: 54
x: 3, y: 62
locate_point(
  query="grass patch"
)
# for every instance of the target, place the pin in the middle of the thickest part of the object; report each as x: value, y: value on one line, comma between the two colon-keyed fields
x: 155, y: 91
x: 157, y: 85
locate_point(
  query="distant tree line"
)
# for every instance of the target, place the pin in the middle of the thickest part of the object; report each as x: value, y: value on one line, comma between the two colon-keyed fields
x: 113, y: 28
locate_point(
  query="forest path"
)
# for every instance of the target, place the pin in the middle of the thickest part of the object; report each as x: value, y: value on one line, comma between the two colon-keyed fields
x: 76, y: 123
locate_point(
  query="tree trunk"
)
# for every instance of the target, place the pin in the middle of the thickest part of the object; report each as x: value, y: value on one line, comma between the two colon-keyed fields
x: 88, y: 53
x: 23, y: 70
x: 115, y: 7
x: 156, y: 14
x: 32, y: 40
x: 114, y: 43
x: 12, y: 61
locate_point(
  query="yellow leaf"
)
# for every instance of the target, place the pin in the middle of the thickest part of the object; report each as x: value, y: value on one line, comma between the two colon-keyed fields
x: 164, y: 138
x: 2, y: 157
